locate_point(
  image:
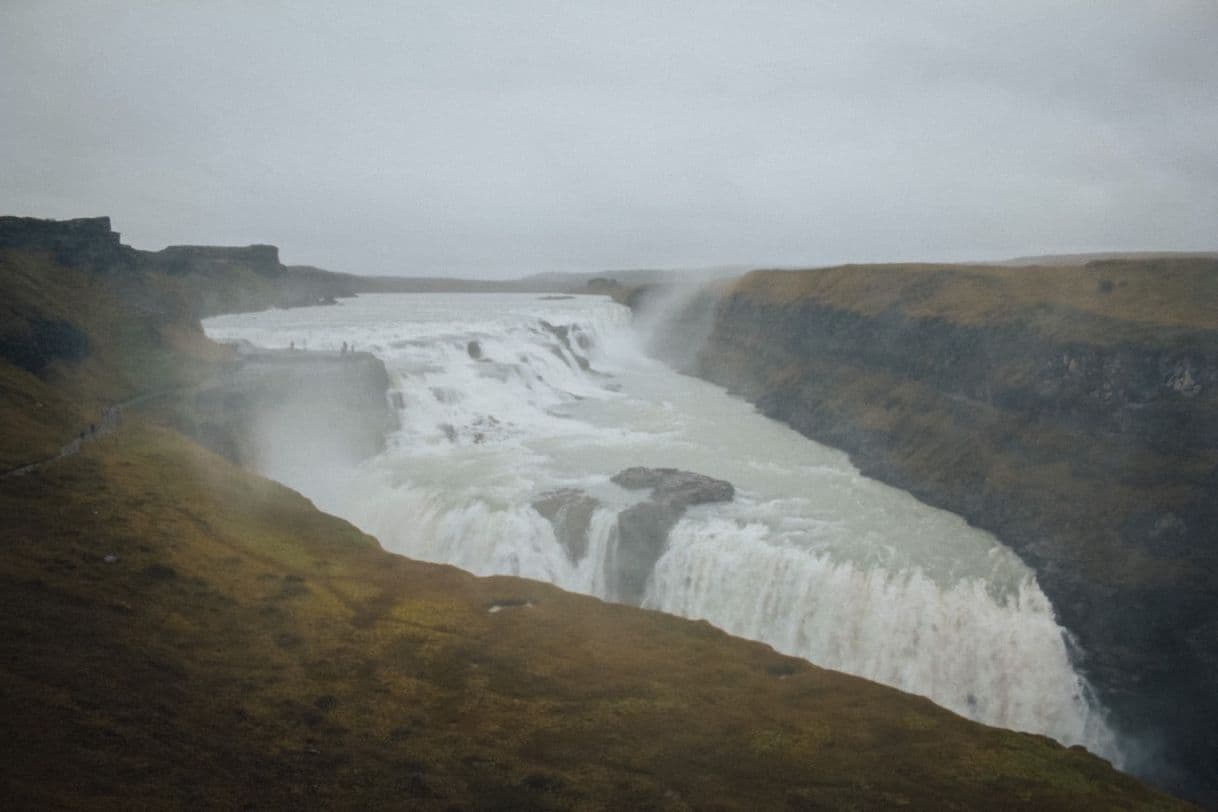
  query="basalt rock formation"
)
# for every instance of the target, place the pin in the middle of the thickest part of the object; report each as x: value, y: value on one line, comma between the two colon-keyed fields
x: 642, y: 529
x: 569, y: 511
x: 87, y: 242
x: 214, y: 279
x: 1073, y: 412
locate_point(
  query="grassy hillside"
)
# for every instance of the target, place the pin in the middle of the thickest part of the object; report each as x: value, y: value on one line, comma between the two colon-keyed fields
x: 73, y: 342
x: 179, y: 632
x: 1125, y: 294
x: 1063, y: 260
x: 244, y: 648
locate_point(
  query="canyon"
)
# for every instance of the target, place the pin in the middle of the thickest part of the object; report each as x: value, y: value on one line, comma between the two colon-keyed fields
x: 159, y: 598
x: 1073, y: 412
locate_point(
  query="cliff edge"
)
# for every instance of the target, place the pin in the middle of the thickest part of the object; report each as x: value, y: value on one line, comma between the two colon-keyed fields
x: 211, y: 279
x: 1073, y: 412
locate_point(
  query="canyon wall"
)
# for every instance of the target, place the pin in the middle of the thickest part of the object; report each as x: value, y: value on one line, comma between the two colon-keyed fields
x: 181, y: 633
x: 86, y: 242
x: 1073, y: 412
x: 212, y: 279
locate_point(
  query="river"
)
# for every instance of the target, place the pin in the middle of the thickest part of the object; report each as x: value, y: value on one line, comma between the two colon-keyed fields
x: 509, y: 397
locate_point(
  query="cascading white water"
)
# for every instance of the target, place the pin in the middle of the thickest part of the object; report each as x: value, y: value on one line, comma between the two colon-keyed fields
x: 508, y: 398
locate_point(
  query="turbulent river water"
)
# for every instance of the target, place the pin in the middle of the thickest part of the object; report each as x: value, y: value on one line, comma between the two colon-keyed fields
x: 507, y: 398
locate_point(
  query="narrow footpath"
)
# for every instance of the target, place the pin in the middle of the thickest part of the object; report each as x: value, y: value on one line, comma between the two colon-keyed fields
x: 109, y: 422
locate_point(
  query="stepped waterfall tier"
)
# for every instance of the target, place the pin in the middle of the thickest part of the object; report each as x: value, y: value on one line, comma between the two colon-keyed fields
x: 537, y: 439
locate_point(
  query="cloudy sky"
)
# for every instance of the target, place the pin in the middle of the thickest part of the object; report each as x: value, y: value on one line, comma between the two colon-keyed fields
x: 498, y: 139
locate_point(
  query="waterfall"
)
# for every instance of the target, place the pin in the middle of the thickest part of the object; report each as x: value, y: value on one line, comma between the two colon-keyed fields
x: 512, y: 405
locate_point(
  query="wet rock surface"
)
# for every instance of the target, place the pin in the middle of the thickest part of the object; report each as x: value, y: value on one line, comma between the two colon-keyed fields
x: 570, y: 512
x: 643, y: 528
x: 675, y: 488
x: 564, y: 334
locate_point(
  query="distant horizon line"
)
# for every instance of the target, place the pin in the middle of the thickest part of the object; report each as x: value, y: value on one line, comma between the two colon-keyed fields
x: 1066, y: 257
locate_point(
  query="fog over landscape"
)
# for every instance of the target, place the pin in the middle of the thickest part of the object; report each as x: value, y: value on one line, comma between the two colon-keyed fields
x: 503, y: 139
x: 543, y: 405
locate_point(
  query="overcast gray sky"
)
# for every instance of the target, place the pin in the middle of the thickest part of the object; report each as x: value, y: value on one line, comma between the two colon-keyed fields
x: 498, y: 139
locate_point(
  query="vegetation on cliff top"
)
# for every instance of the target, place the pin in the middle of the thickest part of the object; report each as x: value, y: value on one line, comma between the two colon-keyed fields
x: 180, y: 632
x: 1165, y: 293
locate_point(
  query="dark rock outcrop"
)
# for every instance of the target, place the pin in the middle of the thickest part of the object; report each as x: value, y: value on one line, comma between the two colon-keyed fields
x: 643, y: 528
x: 570, y: 512
x: 180, y: 259
x: 33, y: 345
x: 223, y: 279
x: 675, y: 488
x: 565, y: 334
x: 87, y: 242
x: 1085, y: 441
x: 214, y: 279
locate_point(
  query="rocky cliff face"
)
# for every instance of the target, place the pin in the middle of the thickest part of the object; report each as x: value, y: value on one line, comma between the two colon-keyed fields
x: 1081, y: 432
x: 261, y: 259
x: 86, y: 242
x: 214, y: 279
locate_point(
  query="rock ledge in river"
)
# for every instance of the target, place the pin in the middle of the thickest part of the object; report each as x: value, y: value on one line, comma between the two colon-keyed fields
x: 643, y: 529
x: 675, y: 487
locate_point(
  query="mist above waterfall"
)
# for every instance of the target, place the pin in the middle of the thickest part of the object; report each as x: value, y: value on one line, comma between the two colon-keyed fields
x: 517, y: 412
x: 673, y: 321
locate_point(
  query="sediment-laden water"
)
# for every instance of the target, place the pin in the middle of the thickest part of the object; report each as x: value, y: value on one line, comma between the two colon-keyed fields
x: 510, y: 398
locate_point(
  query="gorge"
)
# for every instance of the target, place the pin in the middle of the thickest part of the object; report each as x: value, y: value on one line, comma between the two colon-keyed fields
x: 158, y: 598
x: 1077, y: 423
x: 522, y: 419
x: 1071, y: 411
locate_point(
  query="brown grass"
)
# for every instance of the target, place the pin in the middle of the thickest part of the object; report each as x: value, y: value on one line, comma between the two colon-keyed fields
x: 1174, y: 293
x: 246, y: 649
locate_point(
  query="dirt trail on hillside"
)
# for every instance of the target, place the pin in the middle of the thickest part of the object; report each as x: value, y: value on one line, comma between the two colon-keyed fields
x: 111, y: 419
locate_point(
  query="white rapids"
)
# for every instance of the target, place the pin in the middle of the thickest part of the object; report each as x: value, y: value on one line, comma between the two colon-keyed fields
x: 508, y: 397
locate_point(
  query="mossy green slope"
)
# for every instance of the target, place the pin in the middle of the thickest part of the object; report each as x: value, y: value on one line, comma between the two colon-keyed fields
x: 181, y: 632
x: 138, y: 337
